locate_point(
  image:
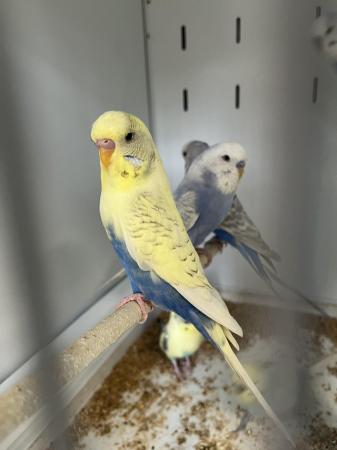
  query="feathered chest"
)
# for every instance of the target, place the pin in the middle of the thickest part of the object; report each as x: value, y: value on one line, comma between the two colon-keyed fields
x: 115, y: 207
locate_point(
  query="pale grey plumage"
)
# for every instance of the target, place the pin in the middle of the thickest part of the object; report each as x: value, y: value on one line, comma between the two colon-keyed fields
x: 205, y: 195
x: 236, y: 221
x: 191, y: 150
x: 241, y: 226
x: 208, y: 209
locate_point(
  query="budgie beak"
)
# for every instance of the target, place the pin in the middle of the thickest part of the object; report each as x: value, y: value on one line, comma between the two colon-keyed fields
x: 241, y: 167
x: 106, y: 148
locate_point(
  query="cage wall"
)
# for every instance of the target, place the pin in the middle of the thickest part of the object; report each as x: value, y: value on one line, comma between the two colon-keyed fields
x: 67, y: 63
x: 248, y: 72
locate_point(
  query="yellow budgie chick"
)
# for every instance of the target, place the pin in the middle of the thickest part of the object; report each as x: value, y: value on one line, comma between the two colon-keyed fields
x: 179, y: 340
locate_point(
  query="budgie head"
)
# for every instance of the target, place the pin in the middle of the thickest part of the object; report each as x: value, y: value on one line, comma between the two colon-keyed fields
x: 191, y: 150
x: 222, y: 166
x: 324, y: 33
x: 126, y: 149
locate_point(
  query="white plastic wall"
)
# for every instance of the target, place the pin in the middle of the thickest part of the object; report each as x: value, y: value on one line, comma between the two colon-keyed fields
x: 69, y: 62
x: 290, y: 184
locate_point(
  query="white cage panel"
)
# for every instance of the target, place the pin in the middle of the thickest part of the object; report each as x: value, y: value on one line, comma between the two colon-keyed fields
x: 67, y: 66
x: 284, y: 117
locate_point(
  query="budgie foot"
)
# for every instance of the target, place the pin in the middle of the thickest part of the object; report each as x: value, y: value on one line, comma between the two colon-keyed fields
x: 211, y: 248
x: 187, y: 367
x: 182, y: 367
x: 204, y: 256
x: 177, y: 370
x: 141, y: 302
x: 216, y: 244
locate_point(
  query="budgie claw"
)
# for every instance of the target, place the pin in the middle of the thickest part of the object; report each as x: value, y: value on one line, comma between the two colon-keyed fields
x: 141, y: 302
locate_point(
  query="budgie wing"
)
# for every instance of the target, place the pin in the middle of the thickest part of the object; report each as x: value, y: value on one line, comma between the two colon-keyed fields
x: 157, y: 240
x: 186, y: 205
x: 240, y: 225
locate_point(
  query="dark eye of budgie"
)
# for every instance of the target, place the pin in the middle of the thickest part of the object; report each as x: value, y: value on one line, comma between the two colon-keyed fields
x: 226, y: 158
x: 129, y: 137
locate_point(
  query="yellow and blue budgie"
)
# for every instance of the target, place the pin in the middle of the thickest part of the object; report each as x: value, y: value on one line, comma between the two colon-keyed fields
x: 143, y: 224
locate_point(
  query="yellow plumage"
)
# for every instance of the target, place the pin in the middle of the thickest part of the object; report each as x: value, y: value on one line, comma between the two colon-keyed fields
x: 179, y: 339
x: 136, y: 201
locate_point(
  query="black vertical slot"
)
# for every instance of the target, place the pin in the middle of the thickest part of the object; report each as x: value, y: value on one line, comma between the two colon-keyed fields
x: 183, y: 37
x: 315, y: 90
x: 185, y: 99
x: 238, y: 30
x: 237, y: 96
x: 318, y: 11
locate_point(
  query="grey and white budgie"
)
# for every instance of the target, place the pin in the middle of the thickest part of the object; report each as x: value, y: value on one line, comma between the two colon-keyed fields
x: 200, y: 211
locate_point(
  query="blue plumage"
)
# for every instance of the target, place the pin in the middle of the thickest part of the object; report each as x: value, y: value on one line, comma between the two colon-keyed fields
x: 266, y: 272
x: 211, y: 208
x: 248, y: 253
x: 158, y: 291
x: 211, y: 204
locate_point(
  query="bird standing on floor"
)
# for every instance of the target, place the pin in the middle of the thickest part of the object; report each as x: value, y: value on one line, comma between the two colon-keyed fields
x: 179, y: 340
x: 141, y: 220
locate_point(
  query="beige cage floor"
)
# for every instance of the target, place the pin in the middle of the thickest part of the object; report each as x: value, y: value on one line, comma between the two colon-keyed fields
x: 142, y: 406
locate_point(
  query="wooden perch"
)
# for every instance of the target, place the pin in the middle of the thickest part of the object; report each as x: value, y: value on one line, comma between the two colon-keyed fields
x: 24, y: 399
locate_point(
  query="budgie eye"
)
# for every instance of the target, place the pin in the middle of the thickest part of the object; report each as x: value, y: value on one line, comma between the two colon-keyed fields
x: 184, y: 153
x: 226, y: 158
x: 129, y: 137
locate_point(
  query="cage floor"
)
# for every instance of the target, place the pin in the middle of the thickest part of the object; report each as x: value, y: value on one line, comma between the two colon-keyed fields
x: 142, y: 406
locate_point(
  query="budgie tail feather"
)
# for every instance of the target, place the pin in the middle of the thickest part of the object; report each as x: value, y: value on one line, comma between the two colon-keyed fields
x: 264, y: 271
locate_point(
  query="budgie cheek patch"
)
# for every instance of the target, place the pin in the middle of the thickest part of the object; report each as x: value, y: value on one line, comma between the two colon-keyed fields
x: 142, y: 406
x: 136, y: 162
